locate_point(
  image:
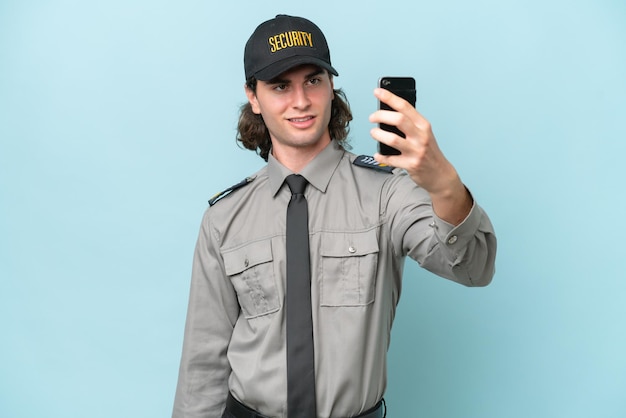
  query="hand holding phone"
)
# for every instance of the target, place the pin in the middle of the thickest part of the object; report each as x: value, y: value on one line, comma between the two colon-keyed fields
x: 400, y: 86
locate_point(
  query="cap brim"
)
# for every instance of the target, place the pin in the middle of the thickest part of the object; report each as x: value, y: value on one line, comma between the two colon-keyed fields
x: 280, y: 67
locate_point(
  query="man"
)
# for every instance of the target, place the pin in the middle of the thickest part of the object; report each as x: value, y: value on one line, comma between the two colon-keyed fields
x: 243, y: 355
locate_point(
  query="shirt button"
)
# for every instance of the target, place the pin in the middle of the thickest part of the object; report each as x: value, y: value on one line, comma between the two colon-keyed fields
x: 352, y: 250
x: 452, y: 239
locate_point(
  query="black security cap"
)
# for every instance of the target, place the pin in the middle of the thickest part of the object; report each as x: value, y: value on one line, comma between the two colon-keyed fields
x: 283, y: 43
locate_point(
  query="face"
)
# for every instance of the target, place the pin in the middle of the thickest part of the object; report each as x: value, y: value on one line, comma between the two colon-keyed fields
x: 296, y: 108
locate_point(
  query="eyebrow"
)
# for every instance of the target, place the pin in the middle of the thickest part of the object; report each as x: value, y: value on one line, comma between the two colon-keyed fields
x: 278, y: 80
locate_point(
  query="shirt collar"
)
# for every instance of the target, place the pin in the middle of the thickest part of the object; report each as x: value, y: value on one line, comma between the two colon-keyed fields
x: 318, y: 172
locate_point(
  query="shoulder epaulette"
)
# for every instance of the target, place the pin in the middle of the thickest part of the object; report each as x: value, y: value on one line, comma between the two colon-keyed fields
x: 226, y: 192
x: 370, y: 162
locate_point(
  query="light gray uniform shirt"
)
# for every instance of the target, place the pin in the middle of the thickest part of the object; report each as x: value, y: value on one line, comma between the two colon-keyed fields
x: 362, y: 224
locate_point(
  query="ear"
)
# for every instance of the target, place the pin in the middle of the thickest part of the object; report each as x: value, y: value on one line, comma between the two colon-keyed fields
x: 254, y: 103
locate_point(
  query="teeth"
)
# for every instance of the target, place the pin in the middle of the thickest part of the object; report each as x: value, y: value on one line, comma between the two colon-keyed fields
x: 299, y: 119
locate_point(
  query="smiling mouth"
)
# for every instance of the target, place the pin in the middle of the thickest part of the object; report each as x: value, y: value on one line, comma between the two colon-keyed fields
x: 301, y: 119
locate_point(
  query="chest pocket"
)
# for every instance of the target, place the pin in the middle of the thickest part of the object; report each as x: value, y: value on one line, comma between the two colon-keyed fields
x: 349, y: 263
x: 251, y: 270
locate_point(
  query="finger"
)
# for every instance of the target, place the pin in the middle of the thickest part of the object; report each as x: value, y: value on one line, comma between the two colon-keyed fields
x: 396, y: 120
x: 389, y: 117
x: 390, y: 160
x: 381, y: 159
x: 389, y: 138
x: 398, y: 104
x: 405, y: 117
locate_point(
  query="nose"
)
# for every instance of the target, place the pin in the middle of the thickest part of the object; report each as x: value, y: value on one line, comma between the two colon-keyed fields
x: 300, y: 98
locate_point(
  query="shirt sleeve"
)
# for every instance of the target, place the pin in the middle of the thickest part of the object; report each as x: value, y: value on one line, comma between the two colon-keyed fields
x: 464, y: 253
x: 212, y: 312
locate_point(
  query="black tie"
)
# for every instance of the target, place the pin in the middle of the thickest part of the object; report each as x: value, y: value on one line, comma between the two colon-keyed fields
x: 300, y: 358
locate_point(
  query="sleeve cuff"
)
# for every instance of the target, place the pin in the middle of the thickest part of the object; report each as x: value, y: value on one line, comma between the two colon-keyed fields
x: 458, y: 236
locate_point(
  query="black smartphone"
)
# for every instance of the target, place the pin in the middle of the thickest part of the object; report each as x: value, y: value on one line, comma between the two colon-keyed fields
x: 400, y: 86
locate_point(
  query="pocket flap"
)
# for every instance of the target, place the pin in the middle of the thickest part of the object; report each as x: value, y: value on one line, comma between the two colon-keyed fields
x: 242, y: 258
x: 349, y: 244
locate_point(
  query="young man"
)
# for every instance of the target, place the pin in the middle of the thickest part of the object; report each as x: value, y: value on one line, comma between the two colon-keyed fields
x: 284, y: 326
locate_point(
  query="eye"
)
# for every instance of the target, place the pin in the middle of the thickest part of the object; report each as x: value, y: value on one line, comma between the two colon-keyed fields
x: 315, y: 80
x: 280, y: 87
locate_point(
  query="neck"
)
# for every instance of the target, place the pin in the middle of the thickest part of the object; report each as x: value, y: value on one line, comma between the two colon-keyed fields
x: 296, y: 158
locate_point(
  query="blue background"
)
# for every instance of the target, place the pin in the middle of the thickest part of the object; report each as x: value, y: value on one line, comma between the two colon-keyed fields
x: 117, y: 123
